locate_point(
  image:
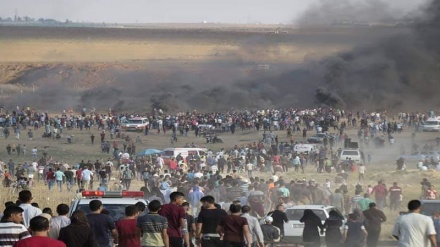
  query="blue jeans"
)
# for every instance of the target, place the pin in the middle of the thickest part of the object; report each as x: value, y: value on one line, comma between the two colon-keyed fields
x: 59, y: 183
x: 69, y: 184
x: 50, y: 183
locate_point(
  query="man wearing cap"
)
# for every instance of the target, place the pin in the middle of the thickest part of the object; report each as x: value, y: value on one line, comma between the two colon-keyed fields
x: 11, y: 229
x: 271, y: 234
x: 374, y: 218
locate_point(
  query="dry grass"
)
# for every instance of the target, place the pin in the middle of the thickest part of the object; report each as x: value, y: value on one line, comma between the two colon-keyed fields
x: 93, y: 50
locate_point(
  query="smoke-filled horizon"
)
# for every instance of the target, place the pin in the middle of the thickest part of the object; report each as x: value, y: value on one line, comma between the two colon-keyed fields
x: 397, y: 72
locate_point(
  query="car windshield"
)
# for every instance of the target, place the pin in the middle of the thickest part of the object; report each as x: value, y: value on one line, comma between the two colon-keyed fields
x: 432, y: 123
x: 297, y: 214
x: 135, y: 121
x: 168, y: 153
x: 116, y: 211
x: 350, y: 152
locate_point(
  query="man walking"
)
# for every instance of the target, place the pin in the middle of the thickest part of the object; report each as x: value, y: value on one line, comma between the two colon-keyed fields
x: 69, y: 178
x: 415, y: 229
x: 59, y: 221
x: 380, y: 193
x: 254, y: 227
x: 207, y: 222
x: 395, y: 193
x: 127, y: 228
x: 279, y: 218
x: 176, y: 217
x: 374, y: 218
x: 101, y: 224
x: 271, y: 234
x: 59, y: 176
x: 86, y: 176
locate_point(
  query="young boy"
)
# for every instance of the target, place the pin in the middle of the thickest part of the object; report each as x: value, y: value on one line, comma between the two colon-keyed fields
x: 127, y: 226
x: 153, y: 227
x: 191, y: 224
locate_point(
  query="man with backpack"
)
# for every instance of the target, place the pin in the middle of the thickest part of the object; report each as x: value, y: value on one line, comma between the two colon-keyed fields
x: 380, y: 194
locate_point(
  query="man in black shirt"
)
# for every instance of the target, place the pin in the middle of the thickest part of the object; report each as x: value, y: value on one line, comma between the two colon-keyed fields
x: 207, y: 221
x: 279, y: 217
x: 69, y: 178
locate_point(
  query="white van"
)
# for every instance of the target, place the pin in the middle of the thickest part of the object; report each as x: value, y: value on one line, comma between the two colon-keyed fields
x: 354, y: 154
x: 432, y: 124
x: 305, y: 148
x: 168, y: 153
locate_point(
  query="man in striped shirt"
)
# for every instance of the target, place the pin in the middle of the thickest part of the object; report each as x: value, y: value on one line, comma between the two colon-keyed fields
x: 11, y: 229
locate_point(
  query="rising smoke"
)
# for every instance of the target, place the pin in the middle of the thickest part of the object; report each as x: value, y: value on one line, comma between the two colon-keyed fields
x: 397, y: 72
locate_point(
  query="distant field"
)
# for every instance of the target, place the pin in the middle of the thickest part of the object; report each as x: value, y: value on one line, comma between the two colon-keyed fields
x: 52, y: 45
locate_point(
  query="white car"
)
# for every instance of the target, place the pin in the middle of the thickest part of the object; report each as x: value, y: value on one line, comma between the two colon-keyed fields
x: 135, y: 124
x: 114, y: 201
x: 293, y: 229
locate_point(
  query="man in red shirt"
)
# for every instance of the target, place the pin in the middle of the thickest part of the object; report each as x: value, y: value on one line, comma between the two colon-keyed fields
x: 234, y: 228
x: 39, y: 226
x: 395, y: 196
x: 50, y: 178
x: 127, y: 231
x: 176, y: 217
x: 79, y: 177
x: 431, y: 193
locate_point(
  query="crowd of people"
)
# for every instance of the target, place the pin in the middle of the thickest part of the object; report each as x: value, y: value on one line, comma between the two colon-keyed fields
x: 250, y: 176
x: 23, y: 224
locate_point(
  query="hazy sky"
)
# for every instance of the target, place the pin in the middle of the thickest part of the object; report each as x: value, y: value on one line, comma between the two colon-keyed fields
x: 171, y: 11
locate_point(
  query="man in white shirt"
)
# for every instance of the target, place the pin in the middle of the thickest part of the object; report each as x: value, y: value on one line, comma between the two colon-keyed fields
x: 254, y: 227
x: 160, y: 162
x: 59, y: 221
x: 361, y: 171
x: 249, y: 168
x: 29, y: 211
x: 34, y: 153
x: 415, y: 229
x: 86, y: 177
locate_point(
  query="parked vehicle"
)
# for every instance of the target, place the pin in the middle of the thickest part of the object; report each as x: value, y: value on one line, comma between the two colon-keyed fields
x: 353, y: 154
x: 305, y: 148
x: 429, y: 207
x: 135, y: 124
x: 317, y: 138
x: 168, y: 153
x: 293, y: 229
x: 114, y: 201
x: 432, y: 124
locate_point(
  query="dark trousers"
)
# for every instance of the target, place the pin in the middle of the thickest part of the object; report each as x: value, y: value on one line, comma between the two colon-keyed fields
x: 233, y: 244
x: 373, y: 237
x: 211, y: 242
x: 176, y: 241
